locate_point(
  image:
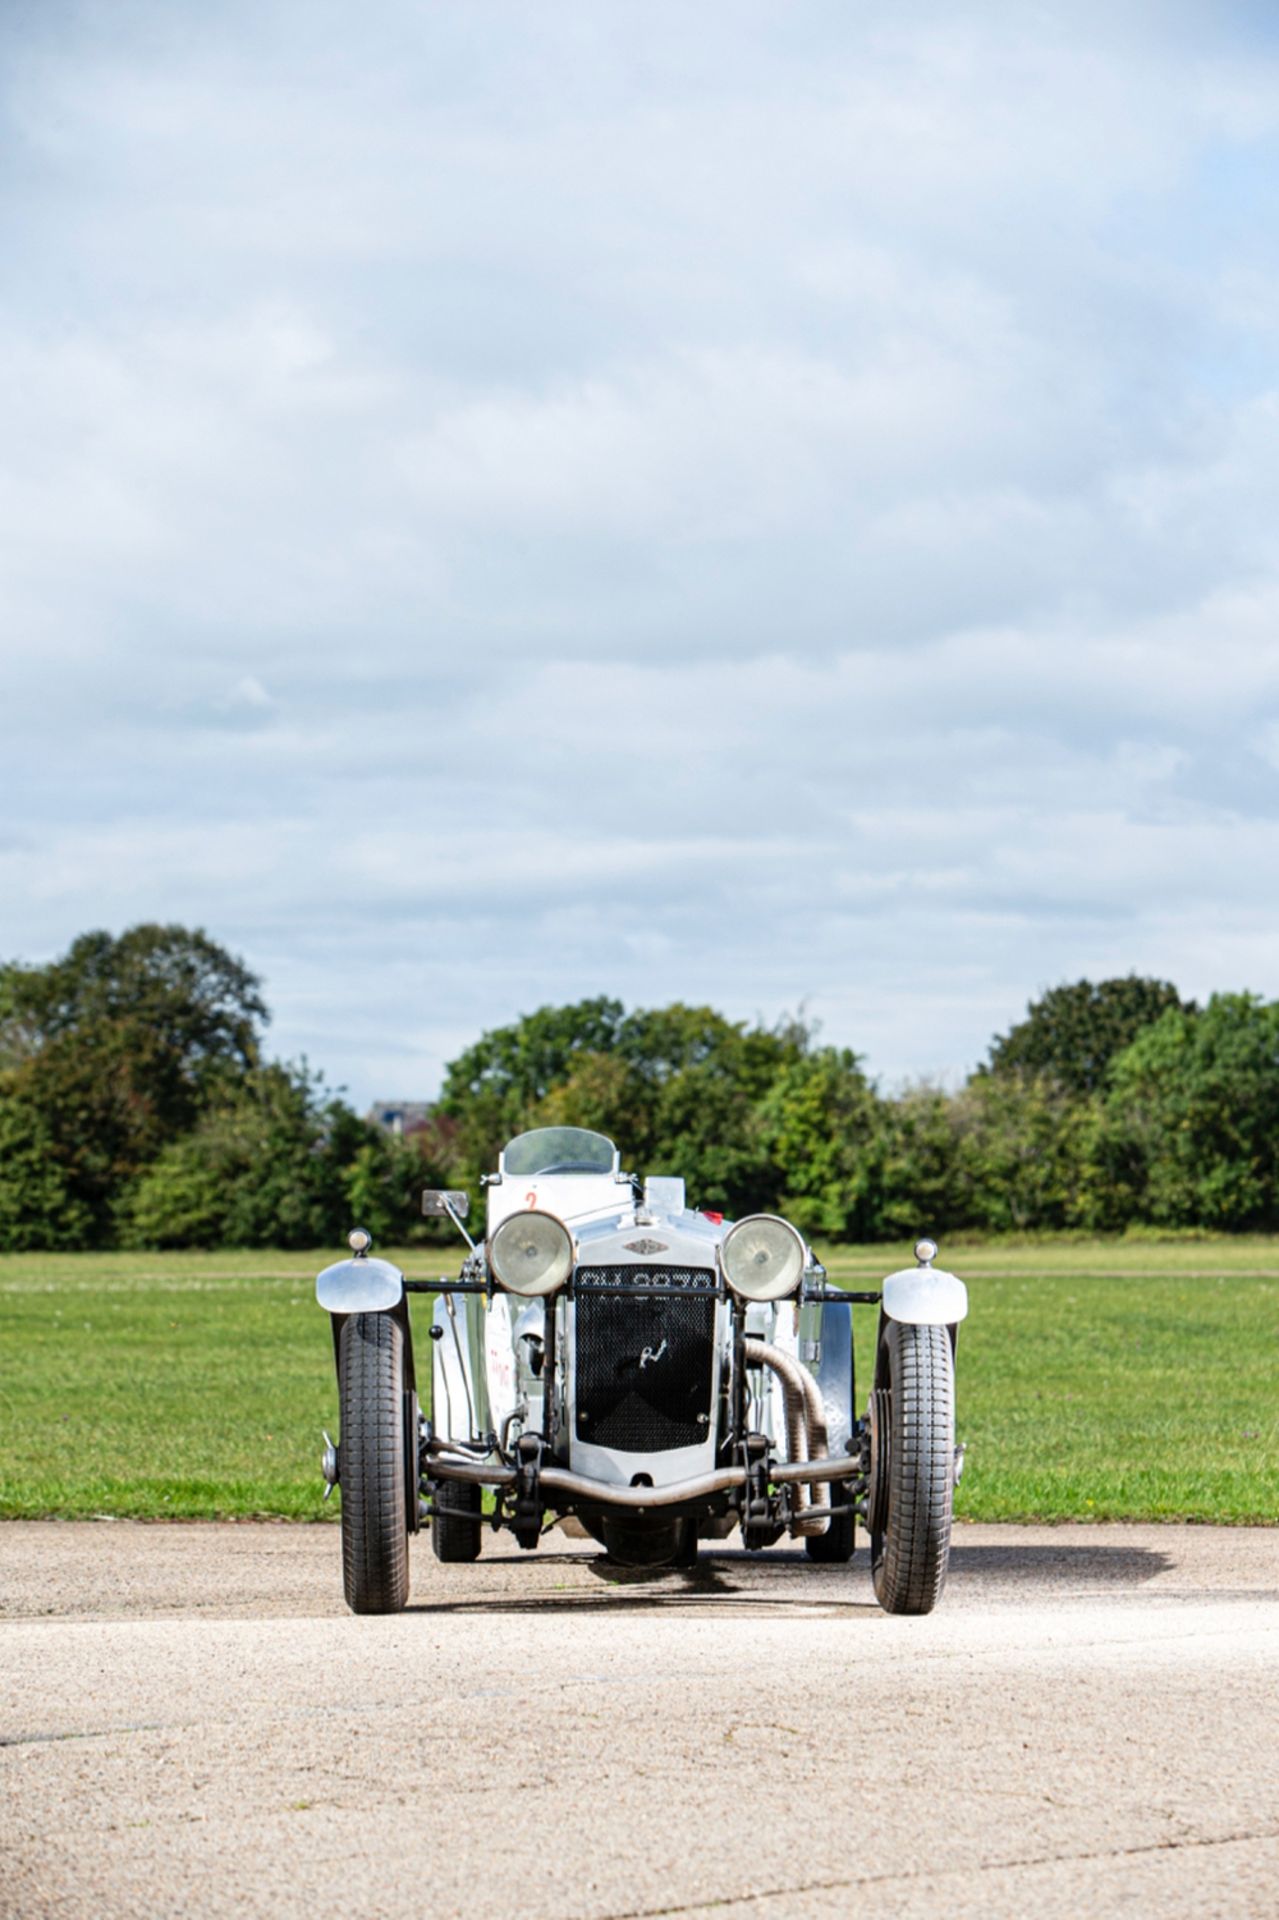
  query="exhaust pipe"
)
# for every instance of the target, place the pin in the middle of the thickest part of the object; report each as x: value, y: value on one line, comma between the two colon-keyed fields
x: 810, y: 1477
x: 581, y: 1487
x: 787, y: 1473
x: 805, y: 1430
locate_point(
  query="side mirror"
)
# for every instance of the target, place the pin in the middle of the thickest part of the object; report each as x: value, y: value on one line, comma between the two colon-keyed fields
x: 446, y: 1200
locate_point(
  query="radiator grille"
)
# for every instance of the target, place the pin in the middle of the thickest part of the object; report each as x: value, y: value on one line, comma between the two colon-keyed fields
x: 644, y: 1368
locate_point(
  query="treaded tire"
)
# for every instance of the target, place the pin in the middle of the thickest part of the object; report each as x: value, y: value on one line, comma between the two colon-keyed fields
x: 375, y: 1540
x: 686, y: 1558
x: 456, y: 1527
x: 910, y: 1555
x: 835, y: 1546
x: 657, y: 1543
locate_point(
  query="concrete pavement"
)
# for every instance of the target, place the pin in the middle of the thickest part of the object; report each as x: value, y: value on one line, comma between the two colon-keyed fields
x: 192, y: 1723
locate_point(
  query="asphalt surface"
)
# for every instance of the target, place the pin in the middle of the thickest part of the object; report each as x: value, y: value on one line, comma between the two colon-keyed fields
x: 190, y: 1722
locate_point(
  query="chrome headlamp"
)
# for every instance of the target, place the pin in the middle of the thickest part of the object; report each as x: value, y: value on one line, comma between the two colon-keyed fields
x: 531, y: 1253
x: 763, y: 1257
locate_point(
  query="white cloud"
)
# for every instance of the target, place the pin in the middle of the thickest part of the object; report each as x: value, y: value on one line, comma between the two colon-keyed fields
x: 741, y: 506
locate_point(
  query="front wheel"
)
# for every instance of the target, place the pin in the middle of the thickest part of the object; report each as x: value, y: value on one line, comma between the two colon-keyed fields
x: 375, y: 1539
x: 912, y: 1486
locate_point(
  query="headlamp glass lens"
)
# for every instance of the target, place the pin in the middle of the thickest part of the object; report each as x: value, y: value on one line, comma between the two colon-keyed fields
x: 531, y: 1253
x: 763, y: 1258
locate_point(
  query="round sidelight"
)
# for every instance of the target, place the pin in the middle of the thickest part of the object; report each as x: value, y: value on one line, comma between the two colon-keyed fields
x: 359, y: 1240
x: 763, y: 1257
x: 925, y: 1251
x: 531, y: 1253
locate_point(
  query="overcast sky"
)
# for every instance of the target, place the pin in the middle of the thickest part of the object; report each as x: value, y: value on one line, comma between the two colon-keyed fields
x: 754, y: 504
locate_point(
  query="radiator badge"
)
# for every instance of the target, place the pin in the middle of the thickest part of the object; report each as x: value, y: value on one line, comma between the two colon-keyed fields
x: 646, y: 1246
x: 650, y: 1355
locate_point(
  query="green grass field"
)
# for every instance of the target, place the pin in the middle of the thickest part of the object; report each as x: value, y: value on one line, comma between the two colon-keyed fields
x: 1097, y: 1380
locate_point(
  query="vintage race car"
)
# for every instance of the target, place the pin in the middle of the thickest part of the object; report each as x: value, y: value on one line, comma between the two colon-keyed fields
x: 612, y: 1363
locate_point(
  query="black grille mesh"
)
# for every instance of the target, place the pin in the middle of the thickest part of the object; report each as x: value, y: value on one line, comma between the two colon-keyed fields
x: 644, y: 1360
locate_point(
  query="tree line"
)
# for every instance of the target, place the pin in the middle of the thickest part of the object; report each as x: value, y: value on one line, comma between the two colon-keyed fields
x: 137, y: 1110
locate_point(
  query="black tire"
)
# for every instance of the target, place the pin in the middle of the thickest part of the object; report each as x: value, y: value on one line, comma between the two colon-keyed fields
x: 686, y: 1558
x: 375, y: 1539
x: 835, y: 1546
x: 913, y: 1421
x: 457, y: 1526
x: 656, y: 1543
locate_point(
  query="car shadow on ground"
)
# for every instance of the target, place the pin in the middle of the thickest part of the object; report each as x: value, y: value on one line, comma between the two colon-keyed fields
x: 726, y: 1579
x: 1070, y: 1565
x: 785, y: 1581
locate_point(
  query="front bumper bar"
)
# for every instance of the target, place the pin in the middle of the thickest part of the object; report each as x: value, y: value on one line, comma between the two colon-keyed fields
x: 606, y: 1493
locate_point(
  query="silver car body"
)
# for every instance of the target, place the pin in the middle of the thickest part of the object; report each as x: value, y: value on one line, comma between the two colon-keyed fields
x: 488, y: 1386
x: 648, y: 1373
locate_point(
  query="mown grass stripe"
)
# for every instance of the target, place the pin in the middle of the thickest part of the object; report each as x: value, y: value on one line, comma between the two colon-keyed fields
x: 1096, y: 1380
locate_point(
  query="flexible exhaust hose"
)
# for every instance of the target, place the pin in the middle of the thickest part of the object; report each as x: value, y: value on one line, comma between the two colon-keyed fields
x: 762, y: 1354
x: 805, y: 1428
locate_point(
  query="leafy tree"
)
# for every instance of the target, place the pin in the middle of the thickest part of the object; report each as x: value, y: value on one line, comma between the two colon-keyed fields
x: 201, y: 1004
x: 821, y: 1128
x: 133, y: 1102
x: 96, y: 1099
x: 679, y: 1083
x: 37, y: 1207
x: 604, y: 1092
x: 1072, y: 1033
x: 710, y: 1077
x: 1027, y: 1155
x: 923, y: 1188
x: 709, y: 1134
x: 1194, y: 1114
x: 517, y: 1066
x: 120, y: 1045
x: 492, y: 1090
x: 184, y: 1197
x: 383, y: 1186
x: 664, y: 1041
x: 269, y: 1165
